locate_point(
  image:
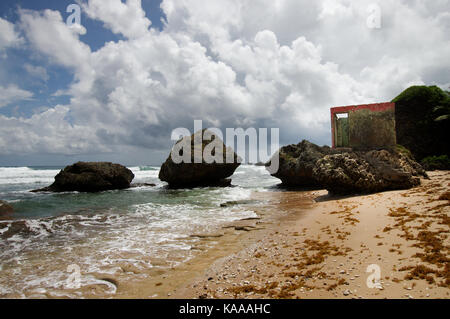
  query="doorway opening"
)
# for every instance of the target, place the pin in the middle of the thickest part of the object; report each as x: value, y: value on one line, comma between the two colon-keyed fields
x: 341, y: 138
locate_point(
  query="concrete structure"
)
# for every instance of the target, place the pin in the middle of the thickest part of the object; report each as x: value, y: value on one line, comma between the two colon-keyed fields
x: 364, y: 127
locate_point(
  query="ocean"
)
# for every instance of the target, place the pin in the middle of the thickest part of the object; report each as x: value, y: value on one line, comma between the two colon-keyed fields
x: 104, y: 233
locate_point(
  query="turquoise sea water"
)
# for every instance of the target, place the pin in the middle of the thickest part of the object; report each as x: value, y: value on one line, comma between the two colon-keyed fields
x: 99, y: 232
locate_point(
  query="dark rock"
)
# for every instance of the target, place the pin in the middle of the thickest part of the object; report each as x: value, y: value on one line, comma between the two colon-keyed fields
x: 296, y: 163
x: 18, y: 227
x: 91, y: 177
x: 238, y: 202
x: 260, y: 164
x: 367, y: 172
x: 6, y: 210
x: 201, y: 174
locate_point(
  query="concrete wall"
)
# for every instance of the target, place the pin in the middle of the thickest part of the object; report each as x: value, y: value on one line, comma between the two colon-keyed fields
x: 369, y: 126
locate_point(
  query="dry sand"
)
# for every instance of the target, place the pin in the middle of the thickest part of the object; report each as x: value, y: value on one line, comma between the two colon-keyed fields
x: 322, y: 247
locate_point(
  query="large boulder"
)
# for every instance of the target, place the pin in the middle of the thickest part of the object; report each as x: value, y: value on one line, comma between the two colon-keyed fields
x: 367, y: 172
x: 91, y: 177
x: 6, y: 210
x: 297, y: 162
x: 194, y: 170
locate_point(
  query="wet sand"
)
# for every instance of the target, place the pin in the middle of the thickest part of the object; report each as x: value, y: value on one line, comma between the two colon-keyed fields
x: 388, y: 245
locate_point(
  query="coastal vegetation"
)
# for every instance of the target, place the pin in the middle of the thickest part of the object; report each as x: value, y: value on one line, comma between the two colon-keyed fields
x: 422, y: 122
x: 432, y: 163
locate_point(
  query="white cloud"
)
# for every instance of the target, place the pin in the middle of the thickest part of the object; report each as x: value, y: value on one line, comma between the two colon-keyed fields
x: 37, y: 72
x: 127, y: 18
x: 8, y: 35
x: 46, y: 132
x: 230, y: 63
x: 47, y: 32
x: 12, y: 93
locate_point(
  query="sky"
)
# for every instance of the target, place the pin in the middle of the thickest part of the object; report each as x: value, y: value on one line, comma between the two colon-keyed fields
x: 115, y: 86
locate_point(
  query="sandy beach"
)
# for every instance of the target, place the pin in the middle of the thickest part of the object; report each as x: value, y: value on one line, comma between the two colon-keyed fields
x: 330, y: 247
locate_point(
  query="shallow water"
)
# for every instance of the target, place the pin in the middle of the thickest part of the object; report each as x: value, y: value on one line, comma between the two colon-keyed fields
x: 129, y: 231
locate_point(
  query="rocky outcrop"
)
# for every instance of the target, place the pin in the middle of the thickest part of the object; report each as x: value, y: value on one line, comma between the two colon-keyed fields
x: 196, y: 171
x: 343, y: 171
x: 6, y: 210
x: 91, y: 177
x: 297, y: 162
x: 367, y: 172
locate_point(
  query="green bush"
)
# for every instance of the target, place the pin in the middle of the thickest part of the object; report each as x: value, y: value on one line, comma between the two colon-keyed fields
x: 403, y: 150
x: 432, y: 163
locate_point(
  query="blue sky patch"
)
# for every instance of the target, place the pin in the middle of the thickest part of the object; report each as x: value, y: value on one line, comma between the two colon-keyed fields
x: 46, y: 79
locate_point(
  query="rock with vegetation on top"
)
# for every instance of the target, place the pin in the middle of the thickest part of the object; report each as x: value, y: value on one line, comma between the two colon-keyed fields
x: 91, y: 177
x: 5, y: 209
x: 367, y: 172
x: 433, y: 163
x: 297, y: 162
x: 194, y: 170
x: 422, y: 116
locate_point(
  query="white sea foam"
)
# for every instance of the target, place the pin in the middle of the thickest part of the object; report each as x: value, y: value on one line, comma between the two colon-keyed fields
x: 26, y: 175
x: 236, y: 193
x: 145, y: 174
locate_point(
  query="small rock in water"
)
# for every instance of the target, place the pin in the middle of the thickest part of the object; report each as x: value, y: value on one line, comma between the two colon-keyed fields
x: 5, y: 209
